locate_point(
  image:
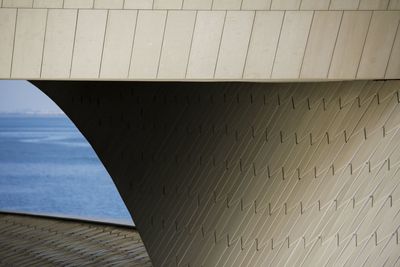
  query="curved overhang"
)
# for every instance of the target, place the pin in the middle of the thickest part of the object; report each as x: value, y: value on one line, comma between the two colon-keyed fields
x: 250, y: 174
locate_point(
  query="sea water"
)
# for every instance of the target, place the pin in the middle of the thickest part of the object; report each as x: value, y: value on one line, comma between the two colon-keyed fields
x: 48, y: 167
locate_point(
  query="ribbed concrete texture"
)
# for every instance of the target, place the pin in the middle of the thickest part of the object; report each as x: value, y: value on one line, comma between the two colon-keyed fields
x: 247, y: 174
x: 39, y: 241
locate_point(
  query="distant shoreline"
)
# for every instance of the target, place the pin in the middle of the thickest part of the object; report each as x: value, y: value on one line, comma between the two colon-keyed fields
x: 15, y: 115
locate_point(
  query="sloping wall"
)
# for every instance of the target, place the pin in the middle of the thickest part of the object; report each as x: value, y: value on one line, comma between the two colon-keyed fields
x: 248, y: 174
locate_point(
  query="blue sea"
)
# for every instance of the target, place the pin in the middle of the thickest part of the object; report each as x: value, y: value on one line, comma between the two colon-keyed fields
x: 48, y: 167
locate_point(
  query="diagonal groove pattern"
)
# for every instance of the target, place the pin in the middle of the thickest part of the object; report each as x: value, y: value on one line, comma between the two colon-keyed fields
x: 250, y: 174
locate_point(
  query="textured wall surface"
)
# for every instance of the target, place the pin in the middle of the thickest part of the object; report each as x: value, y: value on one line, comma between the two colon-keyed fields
x: 164, y: 44
x: 247, y: 174
x: 210, y: 4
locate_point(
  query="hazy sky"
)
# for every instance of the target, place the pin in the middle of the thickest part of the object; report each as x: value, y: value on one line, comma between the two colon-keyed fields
x: 22, y: 96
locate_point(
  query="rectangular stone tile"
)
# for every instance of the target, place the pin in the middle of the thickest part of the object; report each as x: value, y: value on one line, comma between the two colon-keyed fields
x: 28, y: 47
x: 108, y: 4
x: 147, y: 44
x: 226, y: 4
x: 320, y: 44
x: 344, y: 4
x: 314, y: 4
x: 378, y: 44
x: 7, y: 31
x: 48, y: 3
x: 393, y: 68
x: 167, y: 4
x: 88, y: 46
x: 118, y: 44
x: 17, y: 3
x: 373, y: 4
x: 234, y: 44
x: 197, y: 4
x: 78, y: 3
x: 138, y: 4
x: 202, y: 59
x: 292, y: 43
x: 256, y: 4
x: 176, y: 46
x: 349, y: 44
x: 59, y: 43
x: 263, y: 44
x: 285, y: 4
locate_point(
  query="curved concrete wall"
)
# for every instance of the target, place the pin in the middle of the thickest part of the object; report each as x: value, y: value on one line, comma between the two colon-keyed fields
x: 247, y: 174
x: 116, y: 44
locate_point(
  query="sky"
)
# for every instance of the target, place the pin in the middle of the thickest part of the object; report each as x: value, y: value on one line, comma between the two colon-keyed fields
x: 23, y: 97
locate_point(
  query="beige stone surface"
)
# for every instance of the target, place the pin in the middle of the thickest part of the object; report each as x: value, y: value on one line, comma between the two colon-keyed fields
x: 187, y: 44
x: 28, y: 44
x: 118, y: 44
x: 147, y: 44
x: 292, y: 43
x: 321, y: 43
x: 349, y: 44
x: 263, y: 43
x: 393, y: 68
x: 88, y: 45
x: 379, y: 43
x: 7, y: 28
x: 48, y: 3
x: 59, y: 43
x: 285, y: 4
x: 234, y: 44
x: 203, y: 58
x: 176, y: 44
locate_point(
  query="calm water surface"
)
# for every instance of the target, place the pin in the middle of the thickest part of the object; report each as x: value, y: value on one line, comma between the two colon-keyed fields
x: 47, y: 166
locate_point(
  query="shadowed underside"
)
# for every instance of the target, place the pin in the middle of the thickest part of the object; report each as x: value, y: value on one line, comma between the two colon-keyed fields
x: 250, y: 174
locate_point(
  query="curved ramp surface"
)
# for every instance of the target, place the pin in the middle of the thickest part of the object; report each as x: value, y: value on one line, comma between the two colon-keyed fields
x: 250, y: 174
x: 39, y: 241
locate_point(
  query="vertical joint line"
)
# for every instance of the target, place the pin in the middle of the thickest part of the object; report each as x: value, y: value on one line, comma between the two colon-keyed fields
x: 44, y: 43
x: 162, y: 44
x: 220, y: 42
x: 73, y: 45
x: 104, y: 42
x: 133, y: 42
x: 13, y: 49
x: 334, y: 46
x: 305, y: 48
x: 391, y: 49
x: 365, y: 40
x: 277, y: 44
x: 191, y: 43
x: 249, y: 42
